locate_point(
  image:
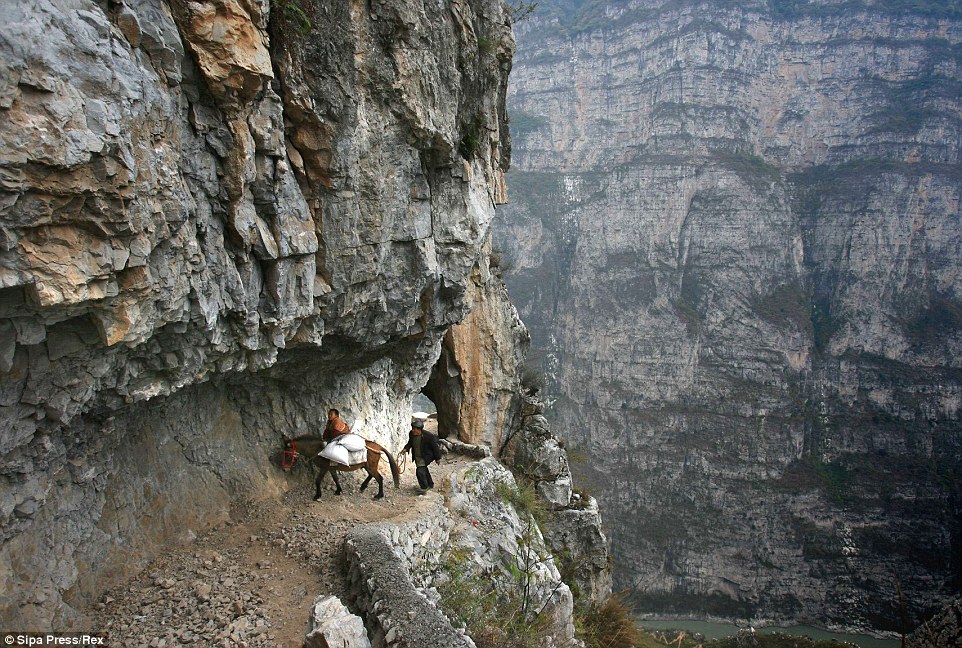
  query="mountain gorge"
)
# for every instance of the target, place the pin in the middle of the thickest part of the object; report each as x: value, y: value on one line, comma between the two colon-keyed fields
x: 734, y: 233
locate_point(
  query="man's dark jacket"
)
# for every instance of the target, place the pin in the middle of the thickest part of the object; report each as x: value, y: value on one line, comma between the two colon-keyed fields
x: 430, y: 451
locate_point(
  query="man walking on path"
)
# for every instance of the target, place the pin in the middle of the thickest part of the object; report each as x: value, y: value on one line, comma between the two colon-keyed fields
x: 424, y: 449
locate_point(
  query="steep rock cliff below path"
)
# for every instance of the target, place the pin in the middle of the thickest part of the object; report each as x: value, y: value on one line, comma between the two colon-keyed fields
x: 216, y: 221
x: 735, y: 237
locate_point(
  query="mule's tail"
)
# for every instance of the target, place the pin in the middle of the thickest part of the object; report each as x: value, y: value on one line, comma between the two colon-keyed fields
x: 395, y: 473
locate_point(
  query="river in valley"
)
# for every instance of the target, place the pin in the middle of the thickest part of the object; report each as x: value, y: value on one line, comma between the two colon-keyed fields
x: 713, y: 630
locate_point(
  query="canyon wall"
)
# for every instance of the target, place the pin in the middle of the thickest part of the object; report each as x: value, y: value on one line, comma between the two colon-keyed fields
x: 216, y: 221
x: 734, y: 233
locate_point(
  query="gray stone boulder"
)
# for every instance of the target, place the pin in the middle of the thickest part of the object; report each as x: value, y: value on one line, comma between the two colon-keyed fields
x: 332, y: 624
x: 537, y: 454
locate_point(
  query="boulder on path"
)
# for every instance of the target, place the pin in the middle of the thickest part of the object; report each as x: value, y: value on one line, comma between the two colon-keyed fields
x: 332, y: 624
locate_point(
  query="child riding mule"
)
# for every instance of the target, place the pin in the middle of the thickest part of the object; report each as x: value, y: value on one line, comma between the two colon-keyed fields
x: 309, y: 446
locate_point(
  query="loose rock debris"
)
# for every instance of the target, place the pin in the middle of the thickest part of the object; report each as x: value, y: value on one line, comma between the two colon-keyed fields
x: 251, y: 583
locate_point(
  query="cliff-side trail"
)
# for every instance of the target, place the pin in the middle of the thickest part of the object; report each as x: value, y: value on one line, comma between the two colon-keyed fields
x: 252, y: 581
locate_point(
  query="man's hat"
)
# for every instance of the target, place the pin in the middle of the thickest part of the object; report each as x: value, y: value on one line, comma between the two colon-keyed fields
x: 418, y: 424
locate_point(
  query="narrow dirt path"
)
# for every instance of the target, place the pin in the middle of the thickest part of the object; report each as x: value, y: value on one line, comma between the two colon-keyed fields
x: 252, y: 581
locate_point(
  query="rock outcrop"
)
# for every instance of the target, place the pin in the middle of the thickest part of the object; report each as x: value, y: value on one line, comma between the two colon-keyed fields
x: 536, y: 453
x: 476, y: 381
x: 735, y: 236
x: 945, y: 629
x: 217, y: 220
x: 574, y: 530
x: 396, y: 570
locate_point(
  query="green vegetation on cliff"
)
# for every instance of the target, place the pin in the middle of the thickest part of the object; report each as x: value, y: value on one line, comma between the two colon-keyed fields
x: 523, y: 123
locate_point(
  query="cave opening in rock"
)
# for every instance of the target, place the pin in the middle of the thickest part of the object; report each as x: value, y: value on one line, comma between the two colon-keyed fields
x: 422, y: 405
x: 445, y: 391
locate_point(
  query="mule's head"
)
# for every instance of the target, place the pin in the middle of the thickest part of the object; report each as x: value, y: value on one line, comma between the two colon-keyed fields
x: 288, y: 454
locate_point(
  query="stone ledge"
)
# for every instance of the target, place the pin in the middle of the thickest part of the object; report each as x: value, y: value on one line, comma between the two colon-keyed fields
x: 395, y: 567
x: 396, y: 613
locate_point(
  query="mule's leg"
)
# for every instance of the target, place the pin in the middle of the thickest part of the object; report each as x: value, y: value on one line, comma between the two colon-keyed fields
x: 380, y: 487
x: 366, y: 482
x: 336, y: 482
x: 373, y: 474
x: 317, y: 484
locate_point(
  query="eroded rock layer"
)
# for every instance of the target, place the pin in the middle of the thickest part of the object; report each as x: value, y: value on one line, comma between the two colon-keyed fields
x: 217, y: 220
x: 735, y: 232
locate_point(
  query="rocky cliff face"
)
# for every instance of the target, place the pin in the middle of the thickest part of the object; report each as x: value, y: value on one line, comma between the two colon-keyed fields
x: 574, y: 528
x: 476, y: 381
x: 217, y: 220
x: 735, y: 232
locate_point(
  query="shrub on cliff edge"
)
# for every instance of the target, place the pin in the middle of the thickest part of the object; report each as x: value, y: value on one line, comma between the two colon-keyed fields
x: 608, y: 625
x: 491, y: 618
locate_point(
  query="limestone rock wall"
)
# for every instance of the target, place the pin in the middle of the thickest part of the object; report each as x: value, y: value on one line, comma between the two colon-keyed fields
x: 735, y: 231
x: 476, y: 382
x: 217, y: 220
x: 944, y: 629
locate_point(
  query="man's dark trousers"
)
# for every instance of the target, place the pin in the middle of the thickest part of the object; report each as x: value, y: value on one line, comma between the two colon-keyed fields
x: 424, y: 477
